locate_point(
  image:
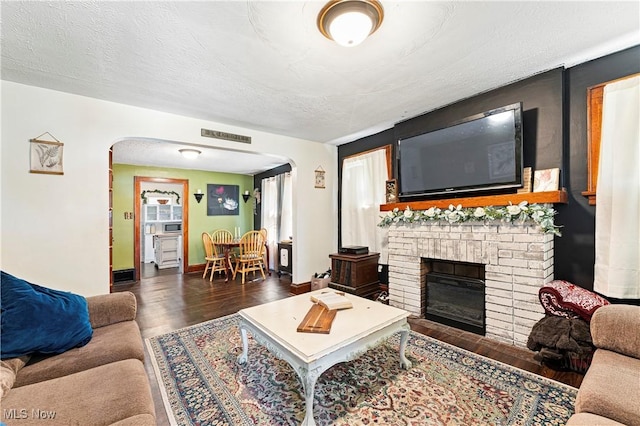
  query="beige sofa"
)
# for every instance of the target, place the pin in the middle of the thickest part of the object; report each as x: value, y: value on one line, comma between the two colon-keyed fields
x: 610, y: 391
x: 101, y: 383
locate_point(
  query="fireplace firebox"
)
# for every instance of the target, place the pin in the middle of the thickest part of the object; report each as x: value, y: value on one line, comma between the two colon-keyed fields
x: 455, y: 295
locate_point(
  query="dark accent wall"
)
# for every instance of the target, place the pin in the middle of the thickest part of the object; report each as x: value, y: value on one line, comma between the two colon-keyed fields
x: 554, y: 126
x: 576, y: 248
x: 541, y: 97
x: 257, y: 183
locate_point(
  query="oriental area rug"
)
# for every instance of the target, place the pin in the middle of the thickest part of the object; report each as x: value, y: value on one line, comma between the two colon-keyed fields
x: 202, y: 384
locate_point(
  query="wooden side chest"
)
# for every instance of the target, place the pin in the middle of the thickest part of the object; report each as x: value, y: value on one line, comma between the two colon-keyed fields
x: 356, y: 274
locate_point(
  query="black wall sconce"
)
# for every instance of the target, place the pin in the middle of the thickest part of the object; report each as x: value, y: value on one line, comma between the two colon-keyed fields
x: 246, y: 196
x: 198, y: 196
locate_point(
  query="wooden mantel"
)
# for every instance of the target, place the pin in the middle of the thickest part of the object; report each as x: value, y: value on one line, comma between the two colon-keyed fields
x: 550, y: 197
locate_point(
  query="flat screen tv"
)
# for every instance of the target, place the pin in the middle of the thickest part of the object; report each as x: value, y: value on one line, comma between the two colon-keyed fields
x: 478, y: 153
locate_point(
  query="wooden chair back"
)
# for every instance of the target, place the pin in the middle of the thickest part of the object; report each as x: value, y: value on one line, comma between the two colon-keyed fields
x: 252, y: 243
x: 208, y: 245
x: 220, y: 236
x: 265, y: 247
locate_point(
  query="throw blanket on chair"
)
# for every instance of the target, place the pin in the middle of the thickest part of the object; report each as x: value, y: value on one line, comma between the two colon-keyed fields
x: 563, y: 299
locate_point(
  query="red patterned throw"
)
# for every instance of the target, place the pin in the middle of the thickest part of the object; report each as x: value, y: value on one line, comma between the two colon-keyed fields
x: 563, y: 299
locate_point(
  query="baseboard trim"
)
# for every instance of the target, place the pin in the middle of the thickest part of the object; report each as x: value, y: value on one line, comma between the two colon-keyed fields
x: 195, y: 268
x: 300, y: 288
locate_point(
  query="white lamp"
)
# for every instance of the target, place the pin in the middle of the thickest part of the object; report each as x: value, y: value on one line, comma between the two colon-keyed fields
x: 350, y: 22
x: 189, y: 153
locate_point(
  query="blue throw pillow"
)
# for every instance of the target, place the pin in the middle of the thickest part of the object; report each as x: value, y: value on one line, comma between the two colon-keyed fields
x: 39, y: 319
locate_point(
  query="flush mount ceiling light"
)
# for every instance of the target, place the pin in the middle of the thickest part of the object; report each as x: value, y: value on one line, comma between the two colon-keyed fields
x: 189, y: 153
x: 350, y: 22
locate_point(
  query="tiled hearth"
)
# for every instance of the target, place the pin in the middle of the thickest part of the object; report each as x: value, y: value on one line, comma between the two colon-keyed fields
x: 518, y: 260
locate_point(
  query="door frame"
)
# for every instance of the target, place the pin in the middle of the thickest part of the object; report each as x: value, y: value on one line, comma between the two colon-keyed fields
x: 137, y: 205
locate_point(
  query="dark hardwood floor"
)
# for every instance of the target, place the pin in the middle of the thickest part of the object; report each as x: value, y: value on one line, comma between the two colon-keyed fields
x: 168, y: 301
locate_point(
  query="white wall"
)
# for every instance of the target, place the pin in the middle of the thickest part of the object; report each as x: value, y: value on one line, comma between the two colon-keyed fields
x: 54, y: 229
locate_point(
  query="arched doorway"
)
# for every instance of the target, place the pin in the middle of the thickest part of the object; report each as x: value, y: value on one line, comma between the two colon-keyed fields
x: 158, y: 155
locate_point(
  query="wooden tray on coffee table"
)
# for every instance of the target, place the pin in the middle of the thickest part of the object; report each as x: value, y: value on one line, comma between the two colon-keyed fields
x: 317, y: 320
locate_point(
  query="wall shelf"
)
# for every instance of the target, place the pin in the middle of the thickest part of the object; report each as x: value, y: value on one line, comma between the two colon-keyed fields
x: 549, y: 197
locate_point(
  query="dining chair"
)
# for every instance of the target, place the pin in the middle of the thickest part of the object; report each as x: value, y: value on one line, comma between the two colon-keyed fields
x: 208, y: 254
x: 218, y: 237
x: 266, y: 249
x: 251, y: 254
x: 214, y: 257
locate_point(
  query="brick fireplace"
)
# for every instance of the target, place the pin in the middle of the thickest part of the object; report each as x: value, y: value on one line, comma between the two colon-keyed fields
x: 518, y: 260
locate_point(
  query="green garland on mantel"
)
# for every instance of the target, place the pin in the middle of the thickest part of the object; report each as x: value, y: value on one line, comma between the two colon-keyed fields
x: 523, y: 212
x: 143, y: 195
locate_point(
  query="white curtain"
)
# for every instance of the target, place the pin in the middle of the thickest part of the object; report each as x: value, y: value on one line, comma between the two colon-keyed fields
x: 617, y: 267
x: 269, y: 218
x: 363, y: 190
x: 286, y: 217
x: 277, y: 212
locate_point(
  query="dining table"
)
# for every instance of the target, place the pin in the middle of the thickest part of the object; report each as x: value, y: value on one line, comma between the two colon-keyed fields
x: 227, y: 247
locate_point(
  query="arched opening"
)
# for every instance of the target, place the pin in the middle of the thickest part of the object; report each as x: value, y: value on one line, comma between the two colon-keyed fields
x: 150, y: 165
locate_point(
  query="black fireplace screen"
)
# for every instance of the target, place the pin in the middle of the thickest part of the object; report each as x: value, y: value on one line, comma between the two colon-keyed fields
x: 456, y: 301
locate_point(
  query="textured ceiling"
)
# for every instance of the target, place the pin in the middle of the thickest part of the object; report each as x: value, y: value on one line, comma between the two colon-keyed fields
x: 264, y: 65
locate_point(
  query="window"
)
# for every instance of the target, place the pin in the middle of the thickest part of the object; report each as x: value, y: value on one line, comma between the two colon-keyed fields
x: 364, y: 178
x: 617, y: 236
x: 277, y: 211
x: 595, y: 97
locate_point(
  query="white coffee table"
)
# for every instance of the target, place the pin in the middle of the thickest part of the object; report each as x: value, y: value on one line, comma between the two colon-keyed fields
x: 354, y: 331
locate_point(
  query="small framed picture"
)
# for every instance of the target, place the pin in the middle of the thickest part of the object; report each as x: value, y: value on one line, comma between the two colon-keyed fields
x: 391, y: 191
x: 546, y: 180
x: 46, y: 157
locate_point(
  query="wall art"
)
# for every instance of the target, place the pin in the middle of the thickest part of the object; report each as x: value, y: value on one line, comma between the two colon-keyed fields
x: 546, y: 180
x: 46, y: 156
x: 222, y: 200
x: 320, y: 181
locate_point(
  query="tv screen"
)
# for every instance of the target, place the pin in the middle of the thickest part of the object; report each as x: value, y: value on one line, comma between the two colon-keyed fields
x: 478, y: 153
